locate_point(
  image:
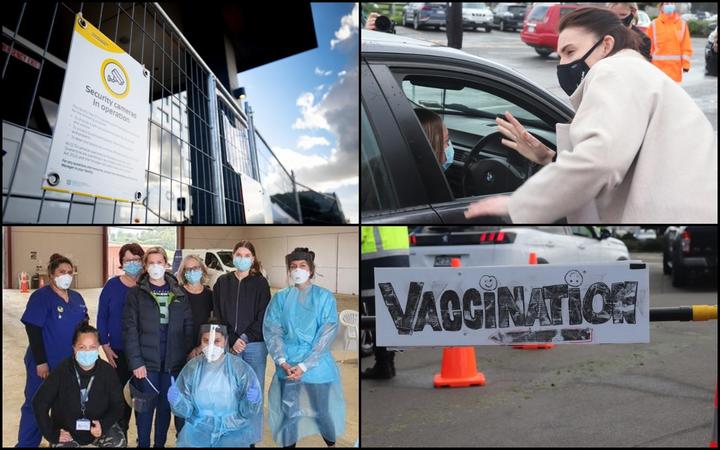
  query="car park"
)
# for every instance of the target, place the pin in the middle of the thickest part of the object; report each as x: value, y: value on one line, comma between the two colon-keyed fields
x: 509, y: 16
x: 477, y: 15
x: 436, y: 246
x: 402, y: 181
x: 644, y: 234
x: 420, y: 15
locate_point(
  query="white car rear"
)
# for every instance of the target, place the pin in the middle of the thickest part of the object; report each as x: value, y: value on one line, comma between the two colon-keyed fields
x: 435, y: 246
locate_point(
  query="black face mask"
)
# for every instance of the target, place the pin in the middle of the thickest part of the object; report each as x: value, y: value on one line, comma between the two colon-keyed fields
x: 570, y: 75
x: 628, y: 20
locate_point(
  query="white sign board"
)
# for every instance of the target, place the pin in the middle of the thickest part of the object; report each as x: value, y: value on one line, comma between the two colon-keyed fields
x: 100, y: 143
x: 511, y: 305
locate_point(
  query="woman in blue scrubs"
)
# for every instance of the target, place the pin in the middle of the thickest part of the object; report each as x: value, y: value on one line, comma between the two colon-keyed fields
x: 51, y: 316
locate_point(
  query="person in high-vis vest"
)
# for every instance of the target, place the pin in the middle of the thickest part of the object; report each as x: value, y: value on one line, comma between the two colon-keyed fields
x: 670, y: 45
x: 381, y: 247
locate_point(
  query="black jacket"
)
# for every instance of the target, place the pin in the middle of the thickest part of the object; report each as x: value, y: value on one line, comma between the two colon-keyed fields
x: 141, y: 327
x: 645, y: 44
x: 243, y: 310
x: 61, y: 394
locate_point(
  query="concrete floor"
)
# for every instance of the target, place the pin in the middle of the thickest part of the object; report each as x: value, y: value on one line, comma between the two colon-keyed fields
x: 13, y: 379
x: 647, y: 395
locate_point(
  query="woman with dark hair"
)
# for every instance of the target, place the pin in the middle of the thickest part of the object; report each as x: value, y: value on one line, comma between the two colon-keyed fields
x: 239, y: 301
x: 51, y: 317
x: 639, y: 149
x: 306, y: 396
x: 81, y: 402
x: 110, y: 316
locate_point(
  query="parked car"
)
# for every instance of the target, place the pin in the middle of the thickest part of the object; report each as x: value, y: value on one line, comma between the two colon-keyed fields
x: 218, y: 261
x: 643, y: 22
x: 711, y: 54
x: 425, y: 14
x: 477, y: 15
x: 689, y: 251
x: 540, y: 30
x: 435, y: 246
x: 402, y: 181
x: 509, y: 16
x: 644, y: 235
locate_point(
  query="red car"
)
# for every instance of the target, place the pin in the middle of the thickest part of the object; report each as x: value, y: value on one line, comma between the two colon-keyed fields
x: 540, y: 30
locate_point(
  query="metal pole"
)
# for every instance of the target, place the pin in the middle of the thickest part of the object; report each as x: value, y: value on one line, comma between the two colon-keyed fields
x: 297, y: 196
x: 216, y: 152
x: 251, y: 141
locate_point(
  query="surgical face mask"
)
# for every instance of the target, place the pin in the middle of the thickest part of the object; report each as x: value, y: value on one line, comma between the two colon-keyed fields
x: 212, y: 352
x: 570, y: 75
x: 132, y: 268
x: 628, y: 20
x: 242, y: 263
x: 193, y: 276
x: 299, y: 276
x: 668, y: 9
x: 86, y: 358
x: 156, y: 271
x: 449, y: 156
x: 64, y: 281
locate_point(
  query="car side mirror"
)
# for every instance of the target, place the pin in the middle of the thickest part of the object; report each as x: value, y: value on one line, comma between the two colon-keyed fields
x: 604, y: 234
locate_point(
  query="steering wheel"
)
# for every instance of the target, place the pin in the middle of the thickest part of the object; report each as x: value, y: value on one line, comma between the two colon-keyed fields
x: 495, y: 176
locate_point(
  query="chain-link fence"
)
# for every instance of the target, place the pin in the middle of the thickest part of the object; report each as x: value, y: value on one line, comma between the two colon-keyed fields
x: 206, y: 163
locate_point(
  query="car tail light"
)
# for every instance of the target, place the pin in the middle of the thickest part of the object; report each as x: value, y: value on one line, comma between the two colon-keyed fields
x: 685, y: 242
x: 500, y: 237
x: 413, y: 240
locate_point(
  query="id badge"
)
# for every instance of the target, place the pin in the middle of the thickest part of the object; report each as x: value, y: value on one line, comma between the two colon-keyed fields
x: 82, y: 425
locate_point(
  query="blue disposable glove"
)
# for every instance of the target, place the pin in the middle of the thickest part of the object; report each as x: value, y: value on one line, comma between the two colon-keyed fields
x: 253, y: 393
x: 173, y: 393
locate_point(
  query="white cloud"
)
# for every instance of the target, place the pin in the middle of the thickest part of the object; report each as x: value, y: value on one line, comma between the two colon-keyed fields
x: 308, y: 142
x: 322, y: 73
x: 319, y: 87
x: 341, y: 73
x: 348, y: 27
x: 312, y: 116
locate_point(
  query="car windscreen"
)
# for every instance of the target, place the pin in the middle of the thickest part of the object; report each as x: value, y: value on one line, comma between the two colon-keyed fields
x: 517, y: 9
x: 538, y: 12
x: 226, y: 258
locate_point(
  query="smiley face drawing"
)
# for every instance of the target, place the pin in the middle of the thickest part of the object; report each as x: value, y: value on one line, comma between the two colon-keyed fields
x: 488, y: 282
x: 574, y: 278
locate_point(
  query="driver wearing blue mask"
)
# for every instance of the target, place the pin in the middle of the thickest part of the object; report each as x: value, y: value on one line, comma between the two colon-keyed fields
x: 438, y: 136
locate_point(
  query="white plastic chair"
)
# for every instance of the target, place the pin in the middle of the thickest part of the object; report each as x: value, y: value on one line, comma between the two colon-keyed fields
x: 350, y: 319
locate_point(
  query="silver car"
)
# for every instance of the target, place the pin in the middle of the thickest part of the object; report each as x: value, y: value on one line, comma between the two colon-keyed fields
x: 424, y: 14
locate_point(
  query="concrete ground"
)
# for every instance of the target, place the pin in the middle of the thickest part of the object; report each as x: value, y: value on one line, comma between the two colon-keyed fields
x: 13, y: 378
x: 656, y: 394
x: 505, y: 47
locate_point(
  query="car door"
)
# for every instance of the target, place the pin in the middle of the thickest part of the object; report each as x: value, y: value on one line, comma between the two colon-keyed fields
x: 502, y: 91
x: 590, y: 247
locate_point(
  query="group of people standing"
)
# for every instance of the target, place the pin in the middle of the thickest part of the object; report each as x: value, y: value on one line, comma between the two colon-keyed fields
x: 172, y: 344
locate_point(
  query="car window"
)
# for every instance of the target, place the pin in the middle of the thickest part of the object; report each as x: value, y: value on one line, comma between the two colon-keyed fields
x: 463, y: 109
x: 582, y: 231
x: 552, y: 229
x: 517, y: 9
x: 538, y: 13
x: 377, y: 190
x: 564, y: 11
x: 474, y: 5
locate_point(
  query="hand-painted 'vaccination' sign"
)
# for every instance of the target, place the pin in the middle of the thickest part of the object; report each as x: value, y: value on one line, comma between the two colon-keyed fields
x: 508, y: 305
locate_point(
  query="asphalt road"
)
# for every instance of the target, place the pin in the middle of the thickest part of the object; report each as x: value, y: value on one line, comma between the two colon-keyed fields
x: 507, y: 48
x: 656, y: 394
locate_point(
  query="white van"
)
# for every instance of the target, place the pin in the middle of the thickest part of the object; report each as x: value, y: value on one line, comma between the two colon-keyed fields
x: 218, y: 261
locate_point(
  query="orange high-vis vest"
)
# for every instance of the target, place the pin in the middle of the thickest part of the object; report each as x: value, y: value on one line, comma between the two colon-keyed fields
x: 670, y: 47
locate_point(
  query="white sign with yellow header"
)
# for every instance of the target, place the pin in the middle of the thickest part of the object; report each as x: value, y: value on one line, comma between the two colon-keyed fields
x: 100, y: 143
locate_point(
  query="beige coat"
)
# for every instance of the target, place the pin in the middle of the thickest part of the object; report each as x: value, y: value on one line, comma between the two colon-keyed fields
x: 639, y: 150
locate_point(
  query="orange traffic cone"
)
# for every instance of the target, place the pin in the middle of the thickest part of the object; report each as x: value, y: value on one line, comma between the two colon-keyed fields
x: 713, y: 440
x: 459, y: 368
x: 533, y: 260
x: 24, y: 284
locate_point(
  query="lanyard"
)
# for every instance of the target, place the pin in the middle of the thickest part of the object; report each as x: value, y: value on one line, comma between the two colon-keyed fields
x: 84, y: 393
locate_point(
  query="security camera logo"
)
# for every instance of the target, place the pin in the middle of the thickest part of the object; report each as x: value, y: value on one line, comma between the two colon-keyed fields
x: 115, y: 78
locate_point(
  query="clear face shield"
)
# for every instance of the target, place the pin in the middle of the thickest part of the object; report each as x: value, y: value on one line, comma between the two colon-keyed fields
x: 213, y: 341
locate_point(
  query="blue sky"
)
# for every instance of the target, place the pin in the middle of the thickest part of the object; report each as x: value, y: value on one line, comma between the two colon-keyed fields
x: 304, y: 106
